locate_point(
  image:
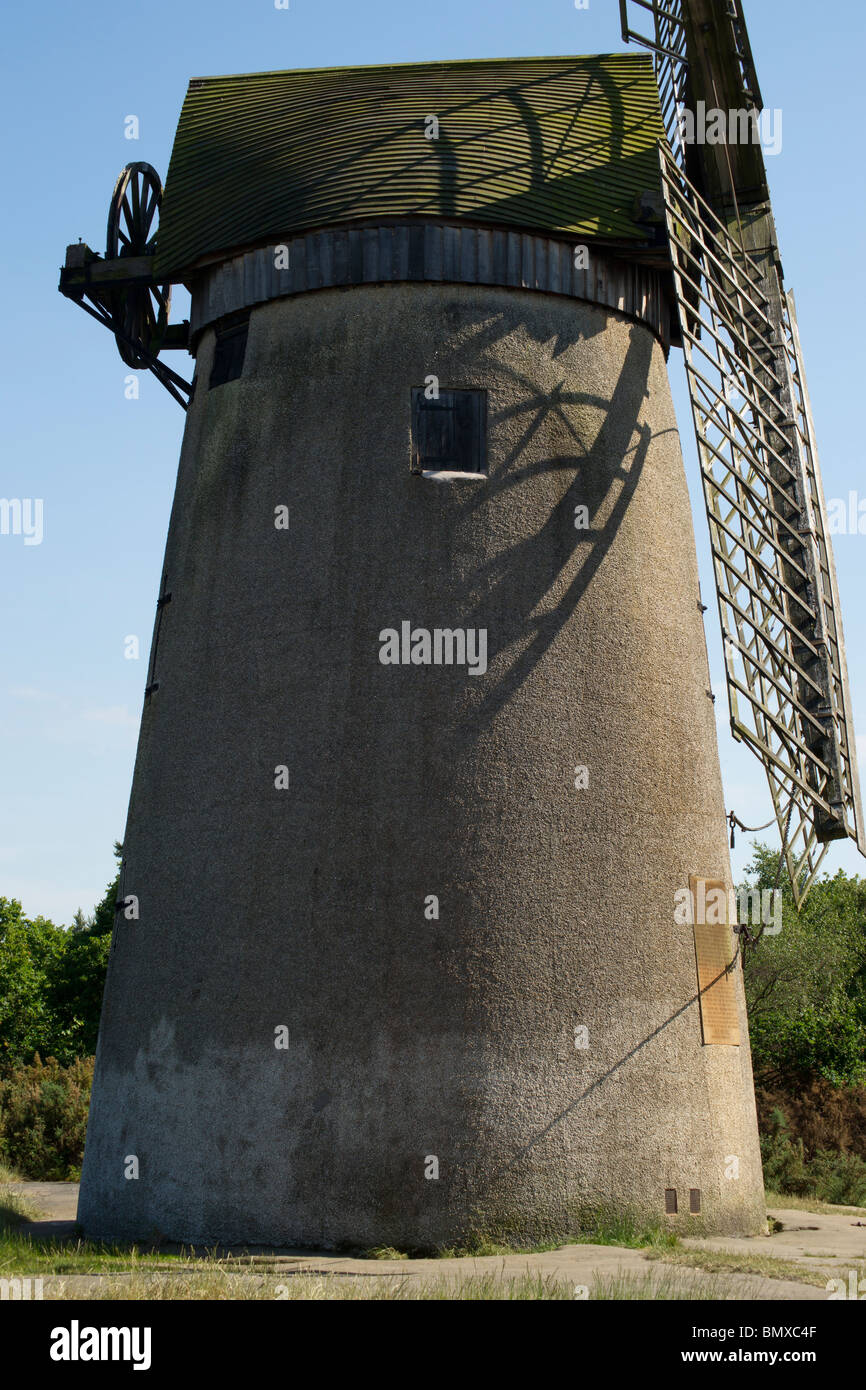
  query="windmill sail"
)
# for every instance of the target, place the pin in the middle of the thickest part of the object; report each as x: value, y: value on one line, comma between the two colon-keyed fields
x: 667, y: 42
x: 775, y: 577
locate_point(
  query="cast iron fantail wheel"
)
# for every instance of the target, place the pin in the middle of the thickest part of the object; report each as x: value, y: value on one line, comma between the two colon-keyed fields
x: 139, y: 312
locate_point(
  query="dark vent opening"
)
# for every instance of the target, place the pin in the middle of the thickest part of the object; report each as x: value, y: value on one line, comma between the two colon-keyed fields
x: 230, y: 350
x: 448, y: 432
x: 671, y: 1201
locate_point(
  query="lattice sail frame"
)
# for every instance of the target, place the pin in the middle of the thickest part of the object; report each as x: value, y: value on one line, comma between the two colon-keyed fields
x: 668, y: 47
x: 775, y: 577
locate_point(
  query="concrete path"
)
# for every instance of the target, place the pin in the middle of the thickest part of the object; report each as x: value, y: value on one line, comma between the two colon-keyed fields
x: 835, y: 1241
x: 58, y: 1201
x: 804, y: 1234
x: 829, y: 1243
x: 576, y: 1266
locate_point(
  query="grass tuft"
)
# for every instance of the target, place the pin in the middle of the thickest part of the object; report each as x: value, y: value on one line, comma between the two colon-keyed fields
x: 608, y: 1225
x: 15, y: 1209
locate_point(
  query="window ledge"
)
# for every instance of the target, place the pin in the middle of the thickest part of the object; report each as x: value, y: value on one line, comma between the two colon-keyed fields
x: 446, y: 475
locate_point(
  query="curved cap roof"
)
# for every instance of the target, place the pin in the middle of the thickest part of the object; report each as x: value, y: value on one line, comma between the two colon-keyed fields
x: 557, y: 145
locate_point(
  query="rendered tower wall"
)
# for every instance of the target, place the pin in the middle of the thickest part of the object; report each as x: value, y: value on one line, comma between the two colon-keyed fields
x: 410, y: 1038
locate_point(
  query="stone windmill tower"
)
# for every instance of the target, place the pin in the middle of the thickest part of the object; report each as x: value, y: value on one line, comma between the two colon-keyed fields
x: 428, y: 755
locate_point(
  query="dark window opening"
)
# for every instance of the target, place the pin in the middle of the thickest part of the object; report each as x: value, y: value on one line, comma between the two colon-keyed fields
x: 231, y: 346
x: 694, y: 1200
x: 448, y: 432
x: 671, y: 1201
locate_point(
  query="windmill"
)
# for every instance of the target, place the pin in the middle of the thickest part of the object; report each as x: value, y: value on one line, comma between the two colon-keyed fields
x: 778, y: 597
x: 427, y: 754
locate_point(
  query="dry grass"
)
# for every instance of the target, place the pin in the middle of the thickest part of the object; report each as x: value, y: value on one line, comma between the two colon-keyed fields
x: 670, y: 1287
x: 733, y: 1262
x: 15, y: 1209
x: 215, y: 1283
x: 784, y: 1201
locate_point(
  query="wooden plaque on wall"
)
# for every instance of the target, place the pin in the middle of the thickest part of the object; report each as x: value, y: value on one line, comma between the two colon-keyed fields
x: 716, y: 961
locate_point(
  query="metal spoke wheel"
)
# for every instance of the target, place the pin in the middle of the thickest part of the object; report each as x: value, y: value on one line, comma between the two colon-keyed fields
x: 139, y: 312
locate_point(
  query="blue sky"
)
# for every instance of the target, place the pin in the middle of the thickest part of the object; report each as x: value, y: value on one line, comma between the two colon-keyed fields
x: 105, y: 466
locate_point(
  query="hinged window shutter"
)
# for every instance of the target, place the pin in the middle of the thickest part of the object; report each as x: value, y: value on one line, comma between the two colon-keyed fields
x: 448, y: 432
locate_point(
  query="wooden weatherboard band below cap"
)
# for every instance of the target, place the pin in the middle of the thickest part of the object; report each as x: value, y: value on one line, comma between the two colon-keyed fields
x: 428, y: 252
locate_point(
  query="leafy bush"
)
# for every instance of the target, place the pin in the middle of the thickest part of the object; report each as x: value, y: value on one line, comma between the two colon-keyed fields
x: 830, y: 1175
x: 785, y: 1166
x: 840, y: 1178
x: 822, y: 1115
x: 826, y: 1041
x: 43, y: 1118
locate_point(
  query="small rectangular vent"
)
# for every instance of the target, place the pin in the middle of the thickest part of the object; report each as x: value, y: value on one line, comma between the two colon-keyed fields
x: 694, y: 1200
x: 230, y: 350
x: 671, y: 1201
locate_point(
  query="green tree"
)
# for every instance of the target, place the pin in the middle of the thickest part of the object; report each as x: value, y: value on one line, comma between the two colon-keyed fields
x: 102, y: 921
x: 74, y: 995
x: 806, y: 987
x: 51, y: 981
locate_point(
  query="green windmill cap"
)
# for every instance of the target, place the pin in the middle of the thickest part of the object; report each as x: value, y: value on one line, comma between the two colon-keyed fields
x: 553, y: 145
